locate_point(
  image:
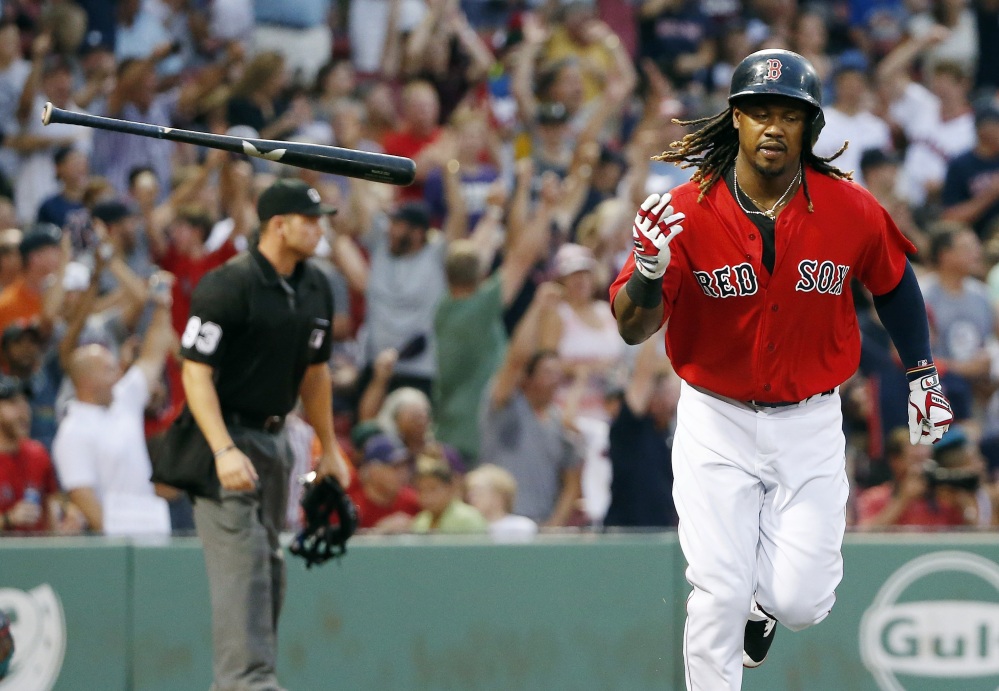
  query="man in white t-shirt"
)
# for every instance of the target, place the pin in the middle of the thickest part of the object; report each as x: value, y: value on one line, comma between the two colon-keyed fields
x: 100, y: 449
x: 850, y: 119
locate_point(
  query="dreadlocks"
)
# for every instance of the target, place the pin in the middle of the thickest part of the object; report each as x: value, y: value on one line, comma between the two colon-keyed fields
x: 714, y: 145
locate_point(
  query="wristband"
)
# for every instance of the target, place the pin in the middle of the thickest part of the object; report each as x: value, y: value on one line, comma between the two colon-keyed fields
x: 646, y: 293
x: 921, y: 370
x: 224, y: 449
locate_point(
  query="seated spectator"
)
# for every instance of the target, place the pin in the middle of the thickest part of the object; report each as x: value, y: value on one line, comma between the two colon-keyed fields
x: 493, y: 490
x: 100, y: 449
x: 641, y: 444
x: 27, y: 480
x: 442, y: 510
x: 405, y: 415
x: 41, y: 257
x: 522, y: 428
x: 907, y: 499
x: 384, y: 502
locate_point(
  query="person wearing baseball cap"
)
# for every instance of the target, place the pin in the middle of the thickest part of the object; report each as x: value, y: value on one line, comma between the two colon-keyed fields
x: 258, y: 338
x: 384, y: 501
x: 40, y: 256
x: 291, y: 197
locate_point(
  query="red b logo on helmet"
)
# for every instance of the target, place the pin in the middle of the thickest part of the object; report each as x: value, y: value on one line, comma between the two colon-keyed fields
x: 773, y: 70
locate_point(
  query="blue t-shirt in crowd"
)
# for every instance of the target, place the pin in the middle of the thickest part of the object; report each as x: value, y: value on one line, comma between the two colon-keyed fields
x: 673, y: 33
x: 73, y: 217
x: 968, y: 175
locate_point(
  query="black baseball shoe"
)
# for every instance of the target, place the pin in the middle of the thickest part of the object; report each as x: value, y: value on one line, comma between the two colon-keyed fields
x: 756, y: 643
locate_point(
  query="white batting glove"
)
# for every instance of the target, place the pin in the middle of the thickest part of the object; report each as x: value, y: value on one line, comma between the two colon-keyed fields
x: 655, y: 226
x: 930, y: 414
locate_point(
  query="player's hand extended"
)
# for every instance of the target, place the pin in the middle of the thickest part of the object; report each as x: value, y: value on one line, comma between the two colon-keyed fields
x: 930, y: 414
x: 656, y: 225
x: 236, y: 471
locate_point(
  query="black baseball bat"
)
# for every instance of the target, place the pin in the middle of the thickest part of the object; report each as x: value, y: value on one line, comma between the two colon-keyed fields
x: 394, y: 170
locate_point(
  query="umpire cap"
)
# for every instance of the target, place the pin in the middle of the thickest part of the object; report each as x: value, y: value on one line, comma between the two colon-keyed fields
x: 775, y: 72
x: 291, y: 197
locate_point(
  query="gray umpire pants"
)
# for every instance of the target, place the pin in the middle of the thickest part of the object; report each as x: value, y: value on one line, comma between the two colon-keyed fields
x: 245, y: 566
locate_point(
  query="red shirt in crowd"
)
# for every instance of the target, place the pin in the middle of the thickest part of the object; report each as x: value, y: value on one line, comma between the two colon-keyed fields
x: 188, y: 272
x: 370, y: 513
x: 919, y: 512
x: 29, y: 466
x: 406, y: 144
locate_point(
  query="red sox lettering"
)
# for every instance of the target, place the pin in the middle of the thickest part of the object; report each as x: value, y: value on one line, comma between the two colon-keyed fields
x: 822, y: 277
x: 728, y: 281
x: 740, y: 280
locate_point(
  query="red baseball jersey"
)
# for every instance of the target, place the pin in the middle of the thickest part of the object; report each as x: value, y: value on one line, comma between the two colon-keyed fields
x: 741, y: 332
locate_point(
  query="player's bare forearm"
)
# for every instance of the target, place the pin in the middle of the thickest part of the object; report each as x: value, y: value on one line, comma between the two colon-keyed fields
x: 636, y: 324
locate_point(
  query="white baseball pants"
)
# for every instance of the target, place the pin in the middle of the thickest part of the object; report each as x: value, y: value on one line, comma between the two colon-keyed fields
x: 761, y: 495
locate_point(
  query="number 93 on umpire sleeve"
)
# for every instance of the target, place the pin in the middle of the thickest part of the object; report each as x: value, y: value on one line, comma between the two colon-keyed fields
x: 204, y: 337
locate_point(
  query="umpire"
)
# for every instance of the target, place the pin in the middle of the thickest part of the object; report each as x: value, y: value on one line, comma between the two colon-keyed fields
x: 258, y: 337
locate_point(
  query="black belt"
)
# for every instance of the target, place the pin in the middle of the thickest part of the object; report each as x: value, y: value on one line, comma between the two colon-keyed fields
x: 265, y: 423
x: 785, y: 404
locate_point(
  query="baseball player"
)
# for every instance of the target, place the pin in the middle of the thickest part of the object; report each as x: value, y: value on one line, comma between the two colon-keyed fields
x: 762, y: 331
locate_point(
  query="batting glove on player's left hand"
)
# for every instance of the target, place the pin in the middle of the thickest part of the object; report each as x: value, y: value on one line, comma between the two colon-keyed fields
x: 655, y: 225
x: 930, y: 414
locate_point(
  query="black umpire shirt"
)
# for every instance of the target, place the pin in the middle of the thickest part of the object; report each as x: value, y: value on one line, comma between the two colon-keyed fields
x: 259, y: 331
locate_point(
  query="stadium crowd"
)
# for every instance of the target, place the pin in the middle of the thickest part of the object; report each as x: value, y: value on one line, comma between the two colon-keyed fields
x: 480, y: 382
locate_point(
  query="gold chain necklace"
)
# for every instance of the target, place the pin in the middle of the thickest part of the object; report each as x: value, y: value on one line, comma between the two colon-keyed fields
x: 770, y: 213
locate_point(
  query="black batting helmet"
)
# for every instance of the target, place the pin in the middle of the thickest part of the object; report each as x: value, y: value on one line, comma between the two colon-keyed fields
x: 780, y: 73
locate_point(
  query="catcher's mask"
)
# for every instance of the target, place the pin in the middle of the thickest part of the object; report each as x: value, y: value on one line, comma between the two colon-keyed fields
x: 321, y: 538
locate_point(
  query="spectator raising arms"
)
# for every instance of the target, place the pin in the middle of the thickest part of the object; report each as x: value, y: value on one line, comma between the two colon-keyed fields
x: 522, y: 430
x: 100, y: 449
